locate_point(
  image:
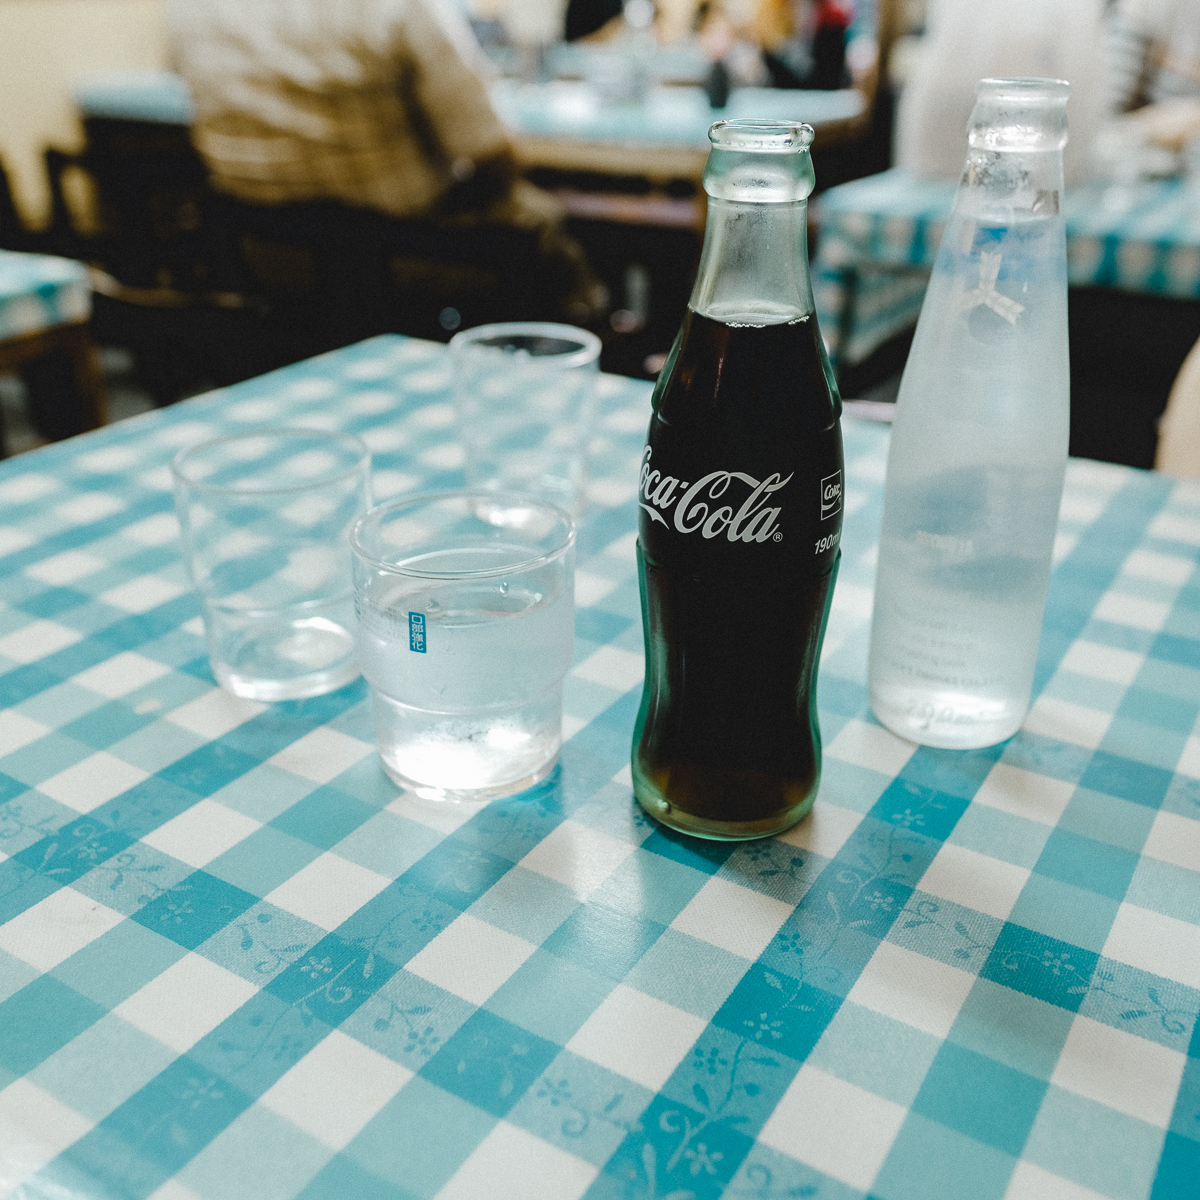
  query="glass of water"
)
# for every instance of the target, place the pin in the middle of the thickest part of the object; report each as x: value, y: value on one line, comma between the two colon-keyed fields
x: 264, y: 516
x: 466, y: 627
x: 524, y: 392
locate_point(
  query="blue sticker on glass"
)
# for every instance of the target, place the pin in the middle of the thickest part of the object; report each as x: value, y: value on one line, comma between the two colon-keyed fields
x: 416, y: 632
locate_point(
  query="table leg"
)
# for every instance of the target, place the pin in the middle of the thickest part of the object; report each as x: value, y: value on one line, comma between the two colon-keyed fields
x: 65, y: 392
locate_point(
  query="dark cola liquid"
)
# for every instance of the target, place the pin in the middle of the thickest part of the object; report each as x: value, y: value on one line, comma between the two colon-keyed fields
x: 739, y: 524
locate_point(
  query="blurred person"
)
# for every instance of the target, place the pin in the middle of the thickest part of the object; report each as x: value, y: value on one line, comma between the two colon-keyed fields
x: 776, y: 43
x: 1154, y: 87
x: 1153, y: 52
x: 365, y: 107
x: 804, y: 42
x: 968, y: 40
x: 726, y: 31
x: 587, y: 18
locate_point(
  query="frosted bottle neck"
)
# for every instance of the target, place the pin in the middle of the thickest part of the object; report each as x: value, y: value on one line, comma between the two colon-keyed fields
x: 1014, y: 166
x: 1010, y: 185
x: 754, y: 265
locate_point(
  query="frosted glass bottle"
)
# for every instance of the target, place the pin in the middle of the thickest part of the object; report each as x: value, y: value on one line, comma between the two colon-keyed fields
x: 979, y: 444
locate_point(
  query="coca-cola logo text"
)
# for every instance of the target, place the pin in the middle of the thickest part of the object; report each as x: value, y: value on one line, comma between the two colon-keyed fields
x: 695, y: 510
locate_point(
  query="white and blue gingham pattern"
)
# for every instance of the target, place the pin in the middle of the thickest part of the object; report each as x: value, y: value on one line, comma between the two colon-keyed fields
x: 38, y: 292
x: 235, y: 963
x: 880, y: 236
x: 676, y: 116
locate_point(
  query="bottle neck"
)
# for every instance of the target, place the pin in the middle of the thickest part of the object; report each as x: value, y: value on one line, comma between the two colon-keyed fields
x: 1007, y: 186
x: 754, y: 265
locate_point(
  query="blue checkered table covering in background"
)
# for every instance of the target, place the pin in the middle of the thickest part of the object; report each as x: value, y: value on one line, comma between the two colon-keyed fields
x: 880, y: 236
x: 677, y: 116
x: 135, y: 96
x: 39, y: 291
x: 673, y: 117
x: 235, y: 963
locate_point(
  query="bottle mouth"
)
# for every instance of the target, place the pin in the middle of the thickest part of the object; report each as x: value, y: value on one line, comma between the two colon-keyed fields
x: 1024, y: 91
x: 759, y: 162
x: 1026, y: 115
x: 760, y: 136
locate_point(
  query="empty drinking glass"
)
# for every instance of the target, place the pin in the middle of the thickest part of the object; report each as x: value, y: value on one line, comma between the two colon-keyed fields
x: 264, y: 516
x: 525, y: 392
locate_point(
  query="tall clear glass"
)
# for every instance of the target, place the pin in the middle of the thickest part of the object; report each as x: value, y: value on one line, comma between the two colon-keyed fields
x: 524, y: 392
x: 979, y: 444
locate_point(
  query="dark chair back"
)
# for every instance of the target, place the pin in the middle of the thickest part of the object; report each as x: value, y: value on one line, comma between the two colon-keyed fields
x: 204, y: 286
x: 347, y: 273
x: 152, y: 206
x: 13, y: 233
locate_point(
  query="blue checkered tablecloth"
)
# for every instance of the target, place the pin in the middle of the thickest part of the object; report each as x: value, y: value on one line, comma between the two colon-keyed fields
x: 677, y: 116
x: 880, y: 236
x: 38, y: 291
x: 135, y: 96
x: 234, y: 963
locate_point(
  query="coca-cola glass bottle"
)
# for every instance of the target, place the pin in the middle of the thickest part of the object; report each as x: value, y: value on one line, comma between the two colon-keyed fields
x: 740, y: 511
x: 979, y: 443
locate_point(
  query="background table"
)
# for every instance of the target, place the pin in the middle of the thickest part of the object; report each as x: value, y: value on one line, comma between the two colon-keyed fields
x: 45, y: 303
x: 880, y: 237
x: 566, y: 124
x: 234, y: 963
x: 563, y: 123
x: 39, y: 292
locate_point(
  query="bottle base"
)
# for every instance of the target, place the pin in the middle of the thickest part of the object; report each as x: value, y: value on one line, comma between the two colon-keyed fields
x: 965, y: 725
x: 670, y: 815
x: 468, y: 757
x: 479, y: 795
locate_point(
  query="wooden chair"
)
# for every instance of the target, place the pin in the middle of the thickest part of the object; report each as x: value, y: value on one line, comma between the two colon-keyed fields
x: 1179, y: 430
x: 204, y: 288
x: 338, y: 274
x: 153, y: 228
x: 165, y: 286
x: 13, y: 233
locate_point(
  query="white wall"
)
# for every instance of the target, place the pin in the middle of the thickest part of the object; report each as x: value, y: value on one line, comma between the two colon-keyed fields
x: 44, y: 46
